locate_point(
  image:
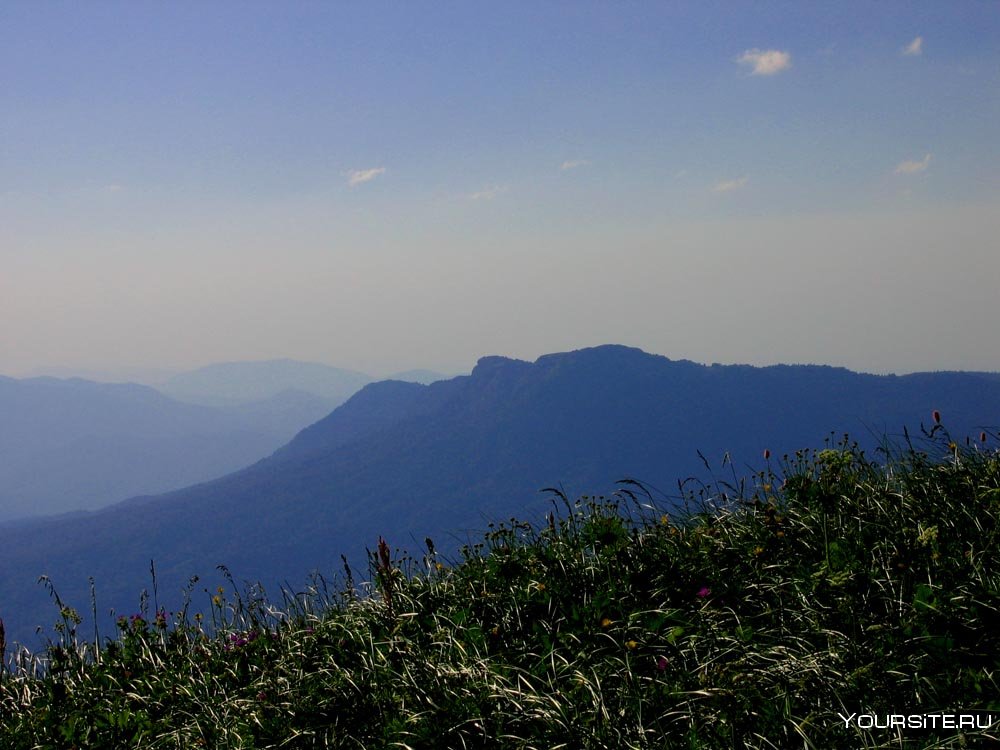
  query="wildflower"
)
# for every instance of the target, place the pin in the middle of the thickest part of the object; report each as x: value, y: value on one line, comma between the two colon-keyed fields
x: 661, y: 663
x: 952, y: 447
x: 937, y: 416
x: 631, y: 645
x: 779, y: 533
x: 758, y: 551
x: 982, y: 437
x: 704, y: 592
x: 665, y: 520
x: 540, y: 586
x: 606, y: 623
x: 384, y: 557
x: 767, y: 454
x: 439, y: 566
x: 217, y: 600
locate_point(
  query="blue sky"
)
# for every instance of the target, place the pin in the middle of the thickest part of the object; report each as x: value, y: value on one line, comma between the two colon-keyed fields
x: 385, y: 186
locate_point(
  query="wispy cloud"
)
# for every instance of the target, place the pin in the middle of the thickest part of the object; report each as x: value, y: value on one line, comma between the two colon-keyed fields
x: 914, y: 48
x: 488, y: 193
x: 728, y: 186
x: 765, y: 62
x: 361, y: 176
x: 573, y: 164
x: 913, y: 167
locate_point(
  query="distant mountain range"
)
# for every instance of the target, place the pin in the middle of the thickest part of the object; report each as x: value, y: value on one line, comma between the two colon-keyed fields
x: 241, y: 382
x: 405, y: 461
x: 68, y: 445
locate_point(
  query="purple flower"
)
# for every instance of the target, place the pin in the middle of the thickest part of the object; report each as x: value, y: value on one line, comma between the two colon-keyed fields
x: 661, y: 663
x: 704, y: 592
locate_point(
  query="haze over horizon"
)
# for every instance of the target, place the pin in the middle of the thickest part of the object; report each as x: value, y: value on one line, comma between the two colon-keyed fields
x: 382, y: 187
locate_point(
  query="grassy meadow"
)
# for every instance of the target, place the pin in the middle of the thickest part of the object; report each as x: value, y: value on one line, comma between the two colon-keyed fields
x: 829, y: 582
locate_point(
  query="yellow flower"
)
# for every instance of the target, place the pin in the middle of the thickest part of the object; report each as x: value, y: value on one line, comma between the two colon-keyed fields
x: 606, y: 622
x: 758, y: 550
x: 540, y: 586
x: 631, y: 645
x: 217, y: 600
x: 439, y: 566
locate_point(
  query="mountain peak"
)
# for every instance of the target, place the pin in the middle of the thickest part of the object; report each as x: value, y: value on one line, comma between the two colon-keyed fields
x: 494, y: 363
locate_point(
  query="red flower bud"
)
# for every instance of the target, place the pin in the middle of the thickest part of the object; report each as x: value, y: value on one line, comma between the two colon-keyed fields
x: 937, y: 416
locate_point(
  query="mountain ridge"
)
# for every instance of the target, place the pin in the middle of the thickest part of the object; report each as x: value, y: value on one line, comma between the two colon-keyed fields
x: 406, y: 461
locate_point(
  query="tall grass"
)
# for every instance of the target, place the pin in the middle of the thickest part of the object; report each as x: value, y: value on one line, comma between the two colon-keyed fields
x: 828, y: 583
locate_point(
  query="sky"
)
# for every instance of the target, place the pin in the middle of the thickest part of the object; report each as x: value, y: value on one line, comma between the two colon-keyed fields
x: 385, y: 186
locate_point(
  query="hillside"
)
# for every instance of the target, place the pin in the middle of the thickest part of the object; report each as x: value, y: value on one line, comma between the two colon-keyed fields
x: 827, y: 594
x: 408, y: 461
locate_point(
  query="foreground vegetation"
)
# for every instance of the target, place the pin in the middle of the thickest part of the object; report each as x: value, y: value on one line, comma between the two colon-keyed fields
x: 826, y: 584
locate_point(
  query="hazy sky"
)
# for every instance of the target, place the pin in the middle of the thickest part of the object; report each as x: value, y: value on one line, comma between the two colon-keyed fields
x: 387, y: 186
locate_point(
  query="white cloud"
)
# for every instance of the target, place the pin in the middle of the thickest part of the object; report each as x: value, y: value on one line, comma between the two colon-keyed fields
x: 728, y: 186
x: 765, y: 62
x: 913, y: 167
x: 914, y: 48
x: 573, y: 164
x: 488, y: 193
x: 360, y: 176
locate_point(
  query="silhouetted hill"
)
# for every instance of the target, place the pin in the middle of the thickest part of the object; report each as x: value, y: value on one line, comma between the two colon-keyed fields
x: 69, y: 445
x: 408, y: 461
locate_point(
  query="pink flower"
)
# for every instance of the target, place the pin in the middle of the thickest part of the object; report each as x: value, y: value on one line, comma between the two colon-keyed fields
x: 704, y: 592
x: 661, y: 663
